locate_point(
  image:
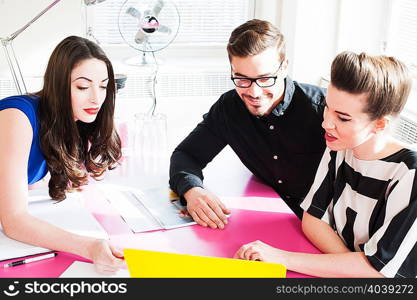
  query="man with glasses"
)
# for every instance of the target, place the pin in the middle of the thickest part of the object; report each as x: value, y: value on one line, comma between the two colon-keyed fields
x: 272, y: 123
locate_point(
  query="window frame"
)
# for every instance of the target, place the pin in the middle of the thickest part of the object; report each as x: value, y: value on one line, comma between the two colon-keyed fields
x: 389, y: 31
x: 173, y: 47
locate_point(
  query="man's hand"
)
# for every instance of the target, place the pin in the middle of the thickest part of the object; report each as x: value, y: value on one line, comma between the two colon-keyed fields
x: 206, y: 208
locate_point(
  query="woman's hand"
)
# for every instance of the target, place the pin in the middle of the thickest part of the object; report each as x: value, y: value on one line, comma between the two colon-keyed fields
x: 258, y: 250
x: 107, y: 260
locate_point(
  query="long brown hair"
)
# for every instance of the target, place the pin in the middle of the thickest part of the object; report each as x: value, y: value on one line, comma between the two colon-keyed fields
x: 72, y: 149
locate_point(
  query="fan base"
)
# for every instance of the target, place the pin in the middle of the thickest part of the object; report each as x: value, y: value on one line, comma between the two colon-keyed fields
x: 143, y: 60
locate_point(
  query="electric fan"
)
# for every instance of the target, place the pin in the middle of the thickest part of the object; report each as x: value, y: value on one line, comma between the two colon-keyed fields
x: 148, y: 25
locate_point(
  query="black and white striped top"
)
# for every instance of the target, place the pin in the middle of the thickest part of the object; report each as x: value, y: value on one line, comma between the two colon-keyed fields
x: 372, y: 205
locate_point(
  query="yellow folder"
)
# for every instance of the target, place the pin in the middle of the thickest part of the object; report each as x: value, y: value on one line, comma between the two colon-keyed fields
x: 152, y: 264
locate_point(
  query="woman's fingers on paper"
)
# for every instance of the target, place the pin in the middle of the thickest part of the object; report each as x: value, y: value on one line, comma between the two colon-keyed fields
x: 110, y: 268
x: 105, y: 270
x: 108, y: 271
x: 117, y: 252
x: 119, y: 263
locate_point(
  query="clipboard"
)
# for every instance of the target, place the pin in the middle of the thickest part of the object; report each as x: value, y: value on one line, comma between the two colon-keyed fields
x: 154, y: 264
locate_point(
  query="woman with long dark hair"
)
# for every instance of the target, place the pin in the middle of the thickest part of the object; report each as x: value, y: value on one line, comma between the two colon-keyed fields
x: 66, y: 129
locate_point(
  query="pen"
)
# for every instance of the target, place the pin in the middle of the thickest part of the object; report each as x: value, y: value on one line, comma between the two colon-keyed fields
x: 29, y: 260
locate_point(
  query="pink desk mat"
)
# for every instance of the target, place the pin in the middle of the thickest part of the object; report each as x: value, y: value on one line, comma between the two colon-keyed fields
x: 49, y: 268
x: 259, y: 215
x: 280, y: 230
x: 256, y: 188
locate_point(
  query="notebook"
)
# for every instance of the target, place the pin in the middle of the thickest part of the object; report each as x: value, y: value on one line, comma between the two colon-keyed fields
x: 148, y: 209
x: 154, y: 264
x: 70, y: 215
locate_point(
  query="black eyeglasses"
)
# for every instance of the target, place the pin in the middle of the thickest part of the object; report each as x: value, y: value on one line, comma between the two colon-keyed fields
x: 263, y: 82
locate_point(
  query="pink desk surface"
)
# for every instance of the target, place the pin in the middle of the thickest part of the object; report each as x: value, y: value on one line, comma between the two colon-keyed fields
x: 257, y: 214
x: 277, y: 229
x: 280, y: 230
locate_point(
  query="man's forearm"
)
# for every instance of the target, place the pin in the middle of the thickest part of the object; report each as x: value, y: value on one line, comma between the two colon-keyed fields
x: 184, y: 182
x: 193, y: 154
x: 184, y: 173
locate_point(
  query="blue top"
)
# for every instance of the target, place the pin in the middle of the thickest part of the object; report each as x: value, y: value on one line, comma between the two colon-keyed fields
x: 28, y: 104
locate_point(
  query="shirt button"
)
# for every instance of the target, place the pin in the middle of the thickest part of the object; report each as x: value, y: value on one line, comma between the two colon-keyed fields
x: 275, y: 157
x: 280, y: 181
x: 271, y: 127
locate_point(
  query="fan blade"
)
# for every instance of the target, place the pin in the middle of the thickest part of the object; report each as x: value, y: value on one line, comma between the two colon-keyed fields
x: 164, y: 29
x: 140, y: 37
x: 133, y: 12
x: 92, y: 2
x: 147, y: 12
x: 158, y: 7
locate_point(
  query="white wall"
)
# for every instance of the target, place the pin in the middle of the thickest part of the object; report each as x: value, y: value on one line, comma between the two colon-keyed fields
x: 363, y: 25
x: 34, y: 46
x: 315, y: 30
x: 310, y: 28
x: 269, y: 10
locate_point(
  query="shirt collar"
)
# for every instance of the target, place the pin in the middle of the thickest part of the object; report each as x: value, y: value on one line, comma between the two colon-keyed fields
x: 279, y: 110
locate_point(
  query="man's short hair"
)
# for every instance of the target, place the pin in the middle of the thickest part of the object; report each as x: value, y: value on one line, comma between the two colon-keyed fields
x: 254, y: 37
x: 385, y: 79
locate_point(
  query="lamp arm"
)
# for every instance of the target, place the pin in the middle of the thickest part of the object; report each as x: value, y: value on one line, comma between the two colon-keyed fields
x: 8, y: 47
x: 11, y: 56
x: 14, y: 67
x: 17, y: 32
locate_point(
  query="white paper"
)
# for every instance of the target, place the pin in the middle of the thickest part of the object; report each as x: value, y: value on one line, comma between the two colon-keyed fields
x: 70, y: 215
x: 80, y: 269
x: 146, y: 210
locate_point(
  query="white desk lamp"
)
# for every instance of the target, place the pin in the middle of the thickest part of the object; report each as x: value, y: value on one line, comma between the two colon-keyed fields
x: 10, y: 54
